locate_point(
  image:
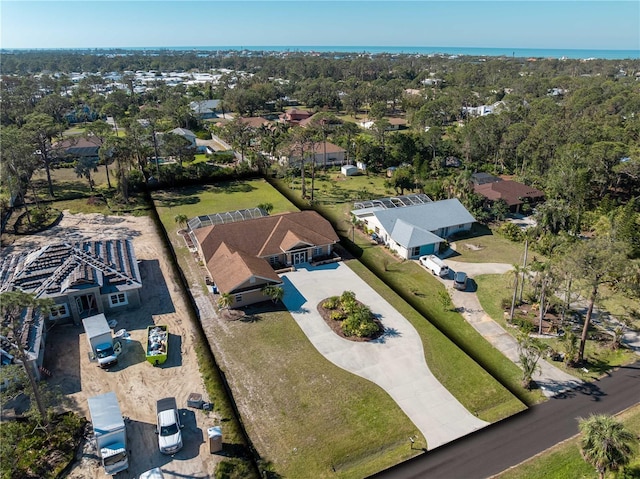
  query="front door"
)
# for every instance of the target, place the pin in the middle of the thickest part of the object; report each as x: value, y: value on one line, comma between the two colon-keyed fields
x: 87, y: 305
x: 299, y: 257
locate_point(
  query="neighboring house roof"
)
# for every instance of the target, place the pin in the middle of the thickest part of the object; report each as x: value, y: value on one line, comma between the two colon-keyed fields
x: 295, y: 115
x: 79, y: 146
x: 397, y: 121
x: 318, y: 148
x: 254, y: 121
x: 511, y: 192
x: 409, y: 235
x: 413, y: 225
x: 258, y: 238
x: 58, y: 269
x: 183, y: 132
x: 204, y: 106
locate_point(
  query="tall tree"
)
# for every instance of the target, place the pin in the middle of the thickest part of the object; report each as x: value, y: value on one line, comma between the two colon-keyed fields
x: 592, y: 264
x: 41, y: 129
x: 17, y: 164
x: 100, y: 130
x: 605, y: 443
x: 85, y: 167
x: 13, y: 305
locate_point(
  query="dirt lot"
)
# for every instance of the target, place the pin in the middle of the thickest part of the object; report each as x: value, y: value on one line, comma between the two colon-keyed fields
x: 136, y: 383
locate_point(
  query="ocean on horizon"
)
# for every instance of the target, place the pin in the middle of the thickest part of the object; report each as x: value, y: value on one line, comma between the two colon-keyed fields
x: 557, y: 53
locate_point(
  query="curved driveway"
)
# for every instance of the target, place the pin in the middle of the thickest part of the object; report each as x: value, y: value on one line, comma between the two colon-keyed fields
x: 395, y: 361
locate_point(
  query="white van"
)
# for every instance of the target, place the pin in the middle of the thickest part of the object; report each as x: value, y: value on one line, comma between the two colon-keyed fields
x: 435, y: 265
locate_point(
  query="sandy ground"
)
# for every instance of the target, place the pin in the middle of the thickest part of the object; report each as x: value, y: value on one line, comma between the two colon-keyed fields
x: 136, y: 383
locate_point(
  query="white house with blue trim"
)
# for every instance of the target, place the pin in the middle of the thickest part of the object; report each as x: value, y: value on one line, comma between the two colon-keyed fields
x: 416, y: 230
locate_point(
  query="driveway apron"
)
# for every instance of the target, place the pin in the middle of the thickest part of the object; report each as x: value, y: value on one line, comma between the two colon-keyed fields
x: 395, y: 361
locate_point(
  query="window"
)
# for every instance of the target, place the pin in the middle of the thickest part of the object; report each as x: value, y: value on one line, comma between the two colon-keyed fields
x: 317, y: 251
x: 415, y: 251
x: 118, y: 299
x: 273, y: 260
x: 238, y: 298
x: 59, y: 311
x: 377, y: 230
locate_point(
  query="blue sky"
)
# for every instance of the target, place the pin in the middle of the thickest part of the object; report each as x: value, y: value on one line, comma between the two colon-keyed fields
x: 576, y: 24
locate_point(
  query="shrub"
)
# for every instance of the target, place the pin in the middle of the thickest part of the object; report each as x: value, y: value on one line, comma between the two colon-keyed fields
x: 331, y: 303
x: 505, y: 303
x: 338, y: 315
x: 511, y: 231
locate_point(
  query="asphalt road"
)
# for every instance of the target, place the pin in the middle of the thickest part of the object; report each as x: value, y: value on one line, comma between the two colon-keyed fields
x: 513, y: 440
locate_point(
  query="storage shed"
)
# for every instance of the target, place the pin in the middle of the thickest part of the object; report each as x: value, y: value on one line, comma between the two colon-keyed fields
x: 349, y: 170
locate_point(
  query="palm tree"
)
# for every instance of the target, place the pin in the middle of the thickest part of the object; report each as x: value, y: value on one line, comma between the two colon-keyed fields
x: 515, y: 272
x: 276, y: 293
x: 225, y: 301
x: 267, y: 207
x: 84, y: 167
x: 12, y: 306
x: 605, y: 443
x: 529, y: 352
x: 181, y: 220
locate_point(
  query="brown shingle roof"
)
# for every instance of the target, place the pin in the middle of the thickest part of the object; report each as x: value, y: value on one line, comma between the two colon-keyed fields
x: 263, y: 236
x: 254, y: 121
x: 258, y: 238
x: 511, y: 192
x: 231, y: 269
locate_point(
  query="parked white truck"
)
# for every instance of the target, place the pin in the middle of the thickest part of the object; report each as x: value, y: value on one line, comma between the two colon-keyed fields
x: 435, y: 265
x: 100, y: 340
x: 110, y: 432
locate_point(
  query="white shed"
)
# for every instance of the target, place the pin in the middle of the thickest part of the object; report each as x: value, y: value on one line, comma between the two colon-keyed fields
x: 349, y: 170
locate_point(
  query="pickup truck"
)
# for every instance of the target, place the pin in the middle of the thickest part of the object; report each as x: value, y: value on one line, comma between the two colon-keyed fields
x: 169, y: 429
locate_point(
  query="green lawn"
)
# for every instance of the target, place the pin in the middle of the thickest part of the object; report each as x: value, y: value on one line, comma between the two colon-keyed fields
x: 482, y: 245
x: 222, y: 197
x: 564, y: 460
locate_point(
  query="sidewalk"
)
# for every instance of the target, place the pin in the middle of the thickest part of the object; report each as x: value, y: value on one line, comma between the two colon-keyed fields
x: 551, y: 379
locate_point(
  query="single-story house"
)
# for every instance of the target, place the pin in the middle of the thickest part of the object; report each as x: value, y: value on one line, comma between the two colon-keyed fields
x: 396, y: 124
x: 205, y: 109
x: 335, y: 155
x: 83, y: 279
x: 254, y: 121
x: 511, y: 192
x: 416, y: 230
x: 186, y: 134
x: 349, y: 170
x: 242, y: 256
x: 78, y: 147
x: 294, y: 116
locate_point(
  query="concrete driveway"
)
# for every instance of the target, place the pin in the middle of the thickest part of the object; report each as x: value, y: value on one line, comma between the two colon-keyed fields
x: 395, y: 361
x: 549, y: 378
